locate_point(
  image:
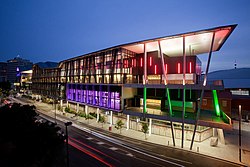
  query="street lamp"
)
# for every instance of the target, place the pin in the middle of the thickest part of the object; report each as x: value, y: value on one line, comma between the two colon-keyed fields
x: 67, y: 140
x: 55, y: 109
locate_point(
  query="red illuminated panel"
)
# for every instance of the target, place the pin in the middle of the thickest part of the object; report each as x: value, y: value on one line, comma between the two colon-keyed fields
x: 134, y: 62
x: 150, y: 61
x: 166, y: 68
x: 190, y: 67
x: 141, y: 62
x: 179, y: 68
x: 155, y: 69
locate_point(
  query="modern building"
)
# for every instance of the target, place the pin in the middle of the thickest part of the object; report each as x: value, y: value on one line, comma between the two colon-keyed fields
x: 157, y: 81
x: 3, y: 72
x: 14, y: 67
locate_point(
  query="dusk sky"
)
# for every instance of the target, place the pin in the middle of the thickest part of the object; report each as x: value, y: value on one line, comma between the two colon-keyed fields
x: 55, y: 30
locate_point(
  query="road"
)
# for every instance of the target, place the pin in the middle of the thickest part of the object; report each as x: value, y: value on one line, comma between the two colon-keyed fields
x: 109, y: 149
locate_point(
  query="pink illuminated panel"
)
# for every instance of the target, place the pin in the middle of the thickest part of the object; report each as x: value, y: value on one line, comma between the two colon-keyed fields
x: 166, y: 68
x: 179, y: 68
x: 141, y: 62
x: 134, y: 62
x: 190, y: 67
x: 150, y: 61
x: 155, y: 69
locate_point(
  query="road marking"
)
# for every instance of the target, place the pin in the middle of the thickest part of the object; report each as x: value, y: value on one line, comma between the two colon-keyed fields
x: 129, y: 154
x: 100, y: 143
x: 120, y: 143
x: 113, y: 148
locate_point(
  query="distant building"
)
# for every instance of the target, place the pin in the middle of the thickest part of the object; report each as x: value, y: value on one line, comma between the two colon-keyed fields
x: 15, y: 66
x: 3, y: 72
x: 237, y: 83
x: 45, y: 79
x: 26, y: 81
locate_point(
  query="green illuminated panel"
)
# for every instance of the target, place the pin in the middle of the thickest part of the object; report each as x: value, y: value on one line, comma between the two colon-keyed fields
x: 216, y: 103
x: 144, y: 99
x: 169, y: 102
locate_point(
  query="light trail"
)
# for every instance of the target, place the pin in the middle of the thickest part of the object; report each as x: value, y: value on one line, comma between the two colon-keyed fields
x: 81, y: 143
x: 89, y: 153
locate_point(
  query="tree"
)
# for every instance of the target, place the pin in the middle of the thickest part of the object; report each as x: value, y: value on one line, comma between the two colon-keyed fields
x: 102, y: 120
x: 119, y: 125
x: 144, y: 129
x: 24, y: 141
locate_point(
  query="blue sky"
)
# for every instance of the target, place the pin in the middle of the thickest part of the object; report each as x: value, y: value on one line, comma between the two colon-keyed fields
x: 55, y: 30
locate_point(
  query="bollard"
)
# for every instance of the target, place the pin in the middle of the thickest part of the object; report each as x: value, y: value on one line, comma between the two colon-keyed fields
x: 198, y: 149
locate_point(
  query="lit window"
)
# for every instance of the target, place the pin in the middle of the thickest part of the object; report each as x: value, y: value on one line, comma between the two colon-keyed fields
x: 224, y: 103
x: 204, y: 102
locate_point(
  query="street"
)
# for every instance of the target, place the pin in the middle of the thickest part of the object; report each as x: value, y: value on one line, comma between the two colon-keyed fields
x: 109, y: 149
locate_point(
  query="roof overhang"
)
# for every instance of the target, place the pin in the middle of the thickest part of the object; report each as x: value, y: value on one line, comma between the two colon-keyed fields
x: 196, y: 43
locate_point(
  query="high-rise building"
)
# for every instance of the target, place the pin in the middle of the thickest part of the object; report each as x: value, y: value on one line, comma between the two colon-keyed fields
x: 3, y: 72
x: 15, y: 66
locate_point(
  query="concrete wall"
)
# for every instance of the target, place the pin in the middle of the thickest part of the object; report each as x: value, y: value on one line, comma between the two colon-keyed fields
x: 128, y: 92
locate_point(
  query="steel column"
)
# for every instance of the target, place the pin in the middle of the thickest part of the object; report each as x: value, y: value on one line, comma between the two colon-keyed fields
x: 145, y: 81
x: 240, y: 132
x: 167, y: 91
x: 184, y: 92
x: 127, y: 122
x: 203, y: 88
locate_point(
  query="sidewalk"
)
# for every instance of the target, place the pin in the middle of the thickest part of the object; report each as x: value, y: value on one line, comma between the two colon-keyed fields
x: 229, y: 151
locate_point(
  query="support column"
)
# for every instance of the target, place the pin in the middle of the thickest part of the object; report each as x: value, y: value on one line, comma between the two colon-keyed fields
x: 111, y: 118
x: 150, y: 126
x: 167, y: 91
x: 127, y: 122
x: 184, y: 92
x: 214, y: 132
x: 221, y: 136
x: 145, y: 81
x: 202, y: 91
x: 77, y: 107
x: 86, y: 109
x: 97, y: 115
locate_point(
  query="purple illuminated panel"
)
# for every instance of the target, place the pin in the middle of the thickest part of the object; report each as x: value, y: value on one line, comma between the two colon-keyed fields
x: 97, y: 98
x: 117, y: 104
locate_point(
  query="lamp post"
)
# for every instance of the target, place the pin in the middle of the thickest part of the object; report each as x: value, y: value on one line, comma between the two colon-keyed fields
x: 55, y: 109
x: 240, y: 133
x: 67, y: 140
